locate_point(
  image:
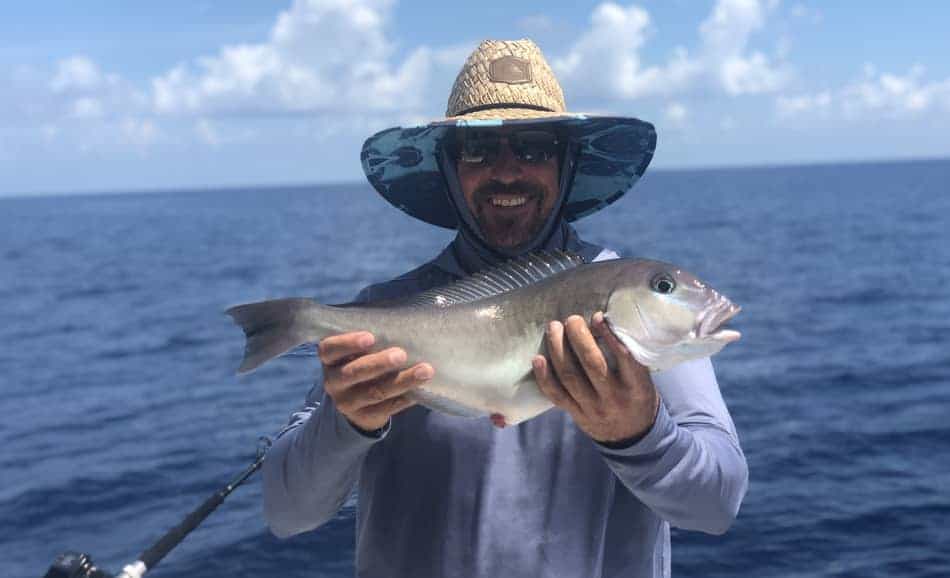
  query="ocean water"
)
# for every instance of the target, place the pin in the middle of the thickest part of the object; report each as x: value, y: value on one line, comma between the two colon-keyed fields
x: 120, y: 410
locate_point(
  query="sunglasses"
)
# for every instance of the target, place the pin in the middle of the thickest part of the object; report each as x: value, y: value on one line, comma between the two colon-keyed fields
x: 479, y: 148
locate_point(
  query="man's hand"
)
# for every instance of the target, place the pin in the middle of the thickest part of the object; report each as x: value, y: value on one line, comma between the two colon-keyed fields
x: 368, y: 388
x: 609, y: 405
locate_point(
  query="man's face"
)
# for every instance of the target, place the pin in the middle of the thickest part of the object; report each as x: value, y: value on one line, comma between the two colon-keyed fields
x: 510, y: 182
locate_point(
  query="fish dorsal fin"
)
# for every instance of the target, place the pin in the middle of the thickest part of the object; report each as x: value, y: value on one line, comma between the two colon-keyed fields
x: 514, y: 274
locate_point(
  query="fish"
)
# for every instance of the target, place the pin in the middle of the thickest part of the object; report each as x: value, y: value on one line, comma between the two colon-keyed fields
x: 481, y: 333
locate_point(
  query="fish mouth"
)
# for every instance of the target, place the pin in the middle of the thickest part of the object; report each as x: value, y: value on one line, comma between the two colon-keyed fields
x: 711, y: 324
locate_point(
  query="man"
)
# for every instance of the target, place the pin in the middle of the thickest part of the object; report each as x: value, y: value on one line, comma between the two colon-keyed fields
x: 587, y: 489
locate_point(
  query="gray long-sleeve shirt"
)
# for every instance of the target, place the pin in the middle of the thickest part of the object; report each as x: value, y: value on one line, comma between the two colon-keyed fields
x: 447, y: 496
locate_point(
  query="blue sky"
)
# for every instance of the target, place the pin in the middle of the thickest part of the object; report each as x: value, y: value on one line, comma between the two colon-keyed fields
x: 117, y: 96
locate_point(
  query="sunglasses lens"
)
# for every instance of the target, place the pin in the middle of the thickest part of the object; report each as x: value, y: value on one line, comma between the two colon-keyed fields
x: 534, y: 146
x: 529, y: 146
x: 479, y: 148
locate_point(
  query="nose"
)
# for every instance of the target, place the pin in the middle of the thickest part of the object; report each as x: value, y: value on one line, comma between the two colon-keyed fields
x: 506, y: 168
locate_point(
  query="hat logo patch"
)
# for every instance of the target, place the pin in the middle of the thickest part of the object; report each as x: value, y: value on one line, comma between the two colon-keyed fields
x: 510, y: 69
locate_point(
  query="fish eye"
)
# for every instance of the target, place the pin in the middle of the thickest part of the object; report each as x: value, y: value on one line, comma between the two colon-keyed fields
x: 663, y: 283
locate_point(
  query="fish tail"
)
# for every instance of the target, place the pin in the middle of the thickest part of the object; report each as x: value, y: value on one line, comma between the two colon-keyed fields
x: 272, y: 328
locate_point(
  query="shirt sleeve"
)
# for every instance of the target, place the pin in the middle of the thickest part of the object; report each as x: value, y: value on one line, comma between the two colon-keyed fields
x: 312, y: 467
x: 689, y: 468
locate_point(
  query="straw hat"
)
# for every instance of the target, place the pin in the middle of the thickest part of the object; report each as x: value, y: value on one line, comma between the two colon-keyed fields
x: 504, y: 83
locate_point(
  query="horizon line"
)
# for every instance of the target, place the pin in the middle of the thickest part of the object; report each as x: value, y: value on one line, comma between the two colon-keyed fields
x: 352, y: 183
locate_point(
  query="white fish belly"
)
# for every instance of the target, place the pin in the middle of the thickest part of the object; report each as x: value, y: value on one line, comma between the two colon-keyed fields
x: 485, y: 379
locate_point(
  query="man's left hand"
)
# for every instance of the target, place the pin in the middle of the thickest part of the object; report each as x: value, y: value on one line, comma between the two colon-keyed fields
x: 614, y: 406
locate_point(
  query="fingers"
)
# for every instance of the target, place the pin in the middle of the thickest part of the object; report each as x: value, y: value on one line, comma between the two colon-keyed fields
x: 566, y: 368
x: 600, y: 327
x: 630, y: 369
x: 364, y: 368
x: 588, y: 353
x: 551, y: 387
x: 368, y: 388
x: 382, y: 391
x: 381, y: 412
x: 335, y: 349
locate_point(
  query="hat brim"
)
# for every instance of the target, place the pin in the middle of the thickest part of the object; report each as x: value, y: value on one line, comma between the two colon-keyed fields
x: 612, y: 154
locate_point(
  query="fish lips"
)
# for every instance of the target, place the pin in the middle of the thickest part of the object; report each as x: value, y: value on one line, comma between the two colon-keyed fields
x: 710, y: 326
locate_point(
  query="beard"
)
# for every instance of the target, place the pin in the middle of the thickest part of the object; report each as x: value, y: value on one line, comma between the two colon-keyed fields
x: 510, y: 227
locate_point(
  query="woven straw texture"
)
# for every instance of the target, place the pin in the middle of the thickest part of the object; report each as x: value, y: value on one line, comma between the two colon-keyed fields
x: 474, y: 87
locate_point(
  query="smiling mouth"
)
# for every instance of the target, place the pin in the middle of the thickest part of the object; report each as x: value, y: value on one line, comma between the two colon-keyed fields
x: 508, y: 201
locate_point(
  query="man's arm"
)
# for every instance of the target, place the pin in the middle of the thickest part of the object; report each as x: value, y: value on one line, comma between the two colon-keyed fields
x: 312, y: 467
x: 681, y: 457
x: 689, y: 467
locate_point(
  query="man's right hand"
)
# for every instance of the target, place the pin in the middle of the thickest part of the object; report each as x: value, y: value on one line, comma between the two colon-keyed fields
x: 368, y: 388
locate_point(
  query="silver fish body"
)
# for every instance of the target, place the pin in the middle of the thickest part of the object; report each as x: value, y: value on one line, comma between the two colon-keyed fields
x: 481, y: 333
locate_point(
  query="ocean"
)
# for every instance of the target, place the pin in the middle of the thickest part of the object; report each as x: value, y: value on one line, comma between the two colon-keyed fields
x: 121, y: 410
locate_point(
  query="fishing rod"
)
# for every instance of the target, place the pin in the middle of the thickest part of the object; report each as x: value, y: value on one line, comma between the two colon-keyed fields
x: 78, y: 565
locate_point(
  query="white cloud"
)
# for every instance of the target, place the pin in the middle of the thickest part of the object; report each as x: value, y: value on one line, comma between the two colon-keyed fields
x: 320, y: 56
x: 138, y: 132
x: 76, y: 73
x: 334, y: 63
x: 80, y: 90
x: 104, y: 137
x: 334, y: 57
x: 676, y: 114
x: 606, y: 62
x: 792, y: 105
x: 329, y: 58
x: 893, y: 94
x: 725, y: 37
x: 86, y: 107
x: 874, y: 95
x: 218, y: 132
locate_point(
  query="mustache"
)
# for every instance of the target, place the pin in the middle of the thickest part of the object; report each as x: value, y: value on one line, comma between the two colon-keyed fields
x: 519, y: 187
